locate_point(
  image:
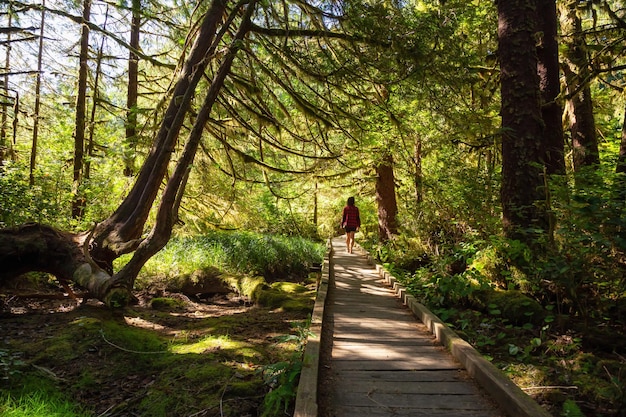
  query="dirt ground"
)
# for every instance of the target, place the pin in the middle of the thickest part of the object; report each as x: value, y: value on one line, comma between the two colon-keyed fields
x: 29, y: 318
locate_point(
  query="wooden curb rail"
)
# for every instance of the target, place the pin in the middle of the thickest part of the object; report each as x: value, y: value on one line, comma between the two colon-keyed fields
x: 306, y: 397
x: 511, y: 398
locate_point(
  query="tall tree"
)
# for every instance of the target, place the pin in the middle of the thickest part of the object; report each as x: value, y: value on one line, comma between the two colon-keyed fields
x: 386, y: 199
x: 577, y: 78
x: 78, y: 201
x: 33, y: 151
x: 550, y: 85
x: 132, y: 94
x: 522, y: 126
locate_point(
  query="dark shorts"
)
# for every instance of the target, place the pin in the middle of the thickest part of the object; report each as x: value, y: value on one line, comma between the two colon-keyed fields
x: 350, y: 229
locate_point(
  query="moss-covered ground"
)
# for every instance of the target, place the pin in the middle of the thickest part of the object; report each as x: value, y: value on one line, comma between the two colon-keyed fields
x: 168, y: 355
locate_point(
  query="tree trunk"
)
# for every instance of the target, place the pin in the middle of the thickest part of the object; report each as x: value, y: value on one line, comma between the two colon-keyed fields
x: 94, y: 102
x: 86, y: 258
x: 417, y: 175
x: 167, y: 213
x: 133, y: 91
x: 522, y: 126
x: 78, y: 202
x: 33, y: 150
x: 120, y: 232
x: 579, y: 104
x: 386, y: 199
x: 550, y: 85
x: 621, y: 159
x: 4, y: 123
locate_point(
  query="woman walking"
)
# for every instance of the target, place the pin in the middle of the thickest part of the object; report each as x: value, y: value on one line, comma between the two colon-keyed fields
x: 350, y: 221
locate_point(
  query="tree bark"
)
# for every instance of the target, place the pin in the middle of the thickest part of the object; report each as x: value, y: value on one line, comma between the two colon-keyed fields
x: 94, y: 102
x: 78, y: 202
x: 133, y: 91
x: 621, y: 159
x: 33, y: 150
x: 86, y: 258
x: 418, y: 178
x: 522, y: 125
x: 121, y: 232
x: 550, y: 85
x: 579, y: 104
x: 4, y: 122
x: 386, y: 199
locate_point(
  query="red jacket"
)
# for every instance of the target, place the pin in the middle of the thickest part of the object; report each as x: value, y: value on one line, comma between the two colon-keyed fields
x: 350, y: 217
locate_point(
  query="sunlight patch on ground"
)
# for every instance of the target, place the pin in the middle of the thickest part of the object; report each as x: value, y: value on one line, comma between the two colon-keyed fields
x: 144, y: 324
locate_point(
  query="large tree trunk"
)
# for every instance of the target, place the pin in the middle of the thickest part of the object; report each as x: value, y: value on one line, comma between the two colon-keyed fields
x: 386, y: 199
x: 522, y: 126
x: 550, y: 85
x: 579, y: 104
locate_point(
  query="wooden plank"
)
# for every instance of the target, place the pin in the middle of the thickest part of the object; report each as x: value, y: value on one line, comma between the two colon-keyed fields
x: 415, y: 401
x: 433, y: 362
x: 405, y: 376
x: 411, y: 412
x: 371, y: 352
x: 419, y: 340
x: 408, y: 388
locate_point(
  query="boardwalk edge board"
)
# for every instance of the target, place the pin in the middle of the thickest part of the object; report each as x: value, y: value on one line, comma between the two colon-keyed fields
x: 306, y: 397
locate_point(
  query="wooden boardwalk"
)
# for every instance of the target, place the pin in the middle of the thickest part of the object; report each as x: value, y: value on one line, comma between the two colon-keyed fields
x: 377, y: 359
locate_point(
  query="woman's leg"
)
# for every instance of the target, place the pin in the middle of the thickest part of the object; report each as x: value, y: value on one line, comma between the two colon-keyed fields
x: 350, y: 241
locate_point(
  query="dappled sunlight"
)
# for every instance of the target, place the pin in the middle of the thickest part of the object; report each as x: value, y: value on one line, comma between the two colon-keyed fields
x: 144, y: 324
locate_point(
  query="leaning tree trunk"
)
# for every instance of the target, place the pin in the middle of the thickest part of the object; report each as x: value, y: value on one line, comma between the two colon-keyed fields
x: 522, y: 126
x: 86, y: 258
x: 121, y: 232
x: 386, y: 199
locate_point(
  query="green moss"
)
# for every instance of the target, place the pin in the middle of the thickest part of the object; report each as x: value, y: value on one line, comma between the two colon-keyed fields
x: 289, y: 287
x: 287, y: 296
x: 165, y: 303
x: 244, y: 388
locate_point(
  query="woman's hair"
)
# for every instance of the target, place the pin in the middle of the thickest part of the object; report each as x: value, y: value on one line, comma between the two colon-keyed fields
x: 350, y: 201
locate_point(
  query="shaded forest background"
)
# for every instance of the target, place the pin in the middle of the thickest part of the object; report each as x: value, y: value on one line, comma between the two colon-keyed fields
x: 484, y: 144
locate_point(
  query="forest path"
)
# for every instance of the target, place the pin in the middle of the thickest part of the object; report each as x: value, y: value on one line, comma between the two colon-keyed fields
x: 377, y: 359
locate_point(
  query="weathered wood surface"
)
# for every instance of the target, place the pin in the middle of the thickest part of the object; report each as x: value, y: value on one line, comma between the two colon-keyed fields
x: 383, y: 362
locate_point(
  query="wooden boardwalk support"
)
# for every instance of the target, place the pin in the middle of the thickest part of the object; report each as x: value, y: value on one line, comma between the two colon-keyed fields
x: 376, y: 359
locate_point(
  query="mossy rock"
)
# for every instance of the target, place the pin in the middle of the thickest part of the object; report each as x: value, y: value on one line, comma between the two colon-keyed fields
x: 513, y: 305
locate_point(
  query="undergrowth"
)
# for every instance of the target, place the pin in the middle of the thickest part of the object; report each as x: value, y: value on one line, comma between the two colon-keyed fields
x: 271, y: 256
x: 170, y: 357
x: 553, y: 320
